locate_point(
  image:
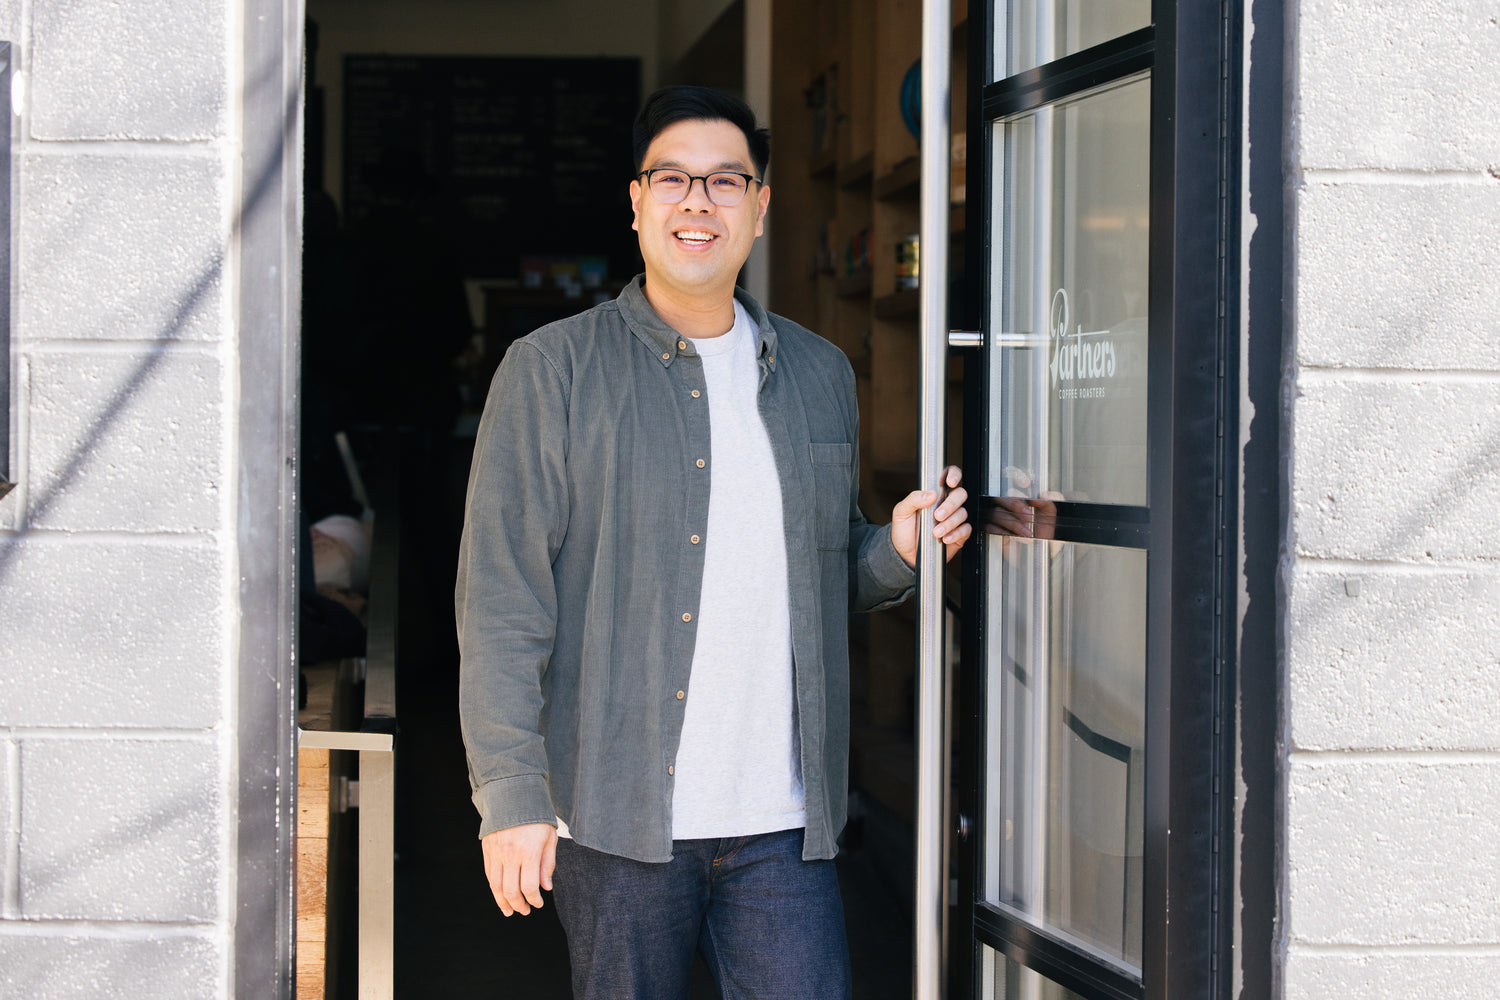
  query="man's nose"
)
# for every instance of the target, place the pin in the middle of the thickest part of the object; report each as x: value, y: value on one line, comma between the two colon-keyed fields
x: 697, y: 202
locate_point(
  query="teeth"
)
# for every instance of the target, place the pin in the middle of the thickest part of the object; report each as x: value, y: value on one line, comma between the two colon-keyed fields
x: 692, y: 236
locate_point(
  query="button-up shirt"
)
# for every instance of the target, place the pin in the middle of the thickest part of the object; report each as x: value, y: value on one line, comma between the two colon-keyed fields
x: 579, y: 577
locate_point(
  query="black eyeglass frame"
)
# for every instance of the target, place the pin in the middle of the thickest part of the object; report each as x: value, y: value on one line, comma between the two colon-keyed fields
x: 707, y: 191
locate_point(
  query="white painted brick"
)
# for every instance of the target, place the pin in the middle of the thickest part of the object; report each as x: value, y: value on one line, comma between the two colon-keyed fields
x: 1399, y: 276
x: 112, y: 634
x: 127, y: 442
x: 1408, y: 660
x: 129, y: 69
x: 1390, y: 976
x: 1397, y: 83
x: 37, y: 967
x: 123, y: 247
x: 1400, y: 468
x: 120, y: 830
x: 1393, y: 852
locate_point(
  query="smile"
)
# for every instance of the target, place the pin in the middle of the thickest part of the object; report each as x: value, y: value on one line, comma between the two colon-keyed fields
x: 694, y: 237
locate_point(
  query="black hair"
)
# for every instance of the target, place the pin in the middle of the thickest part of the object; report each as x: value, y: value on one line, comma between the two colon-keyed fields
x: 682, y: 103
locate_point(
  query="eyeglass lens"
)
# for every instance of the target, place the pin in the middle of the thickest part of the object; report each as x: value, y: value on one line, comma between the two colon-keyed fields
x: 671, y: 186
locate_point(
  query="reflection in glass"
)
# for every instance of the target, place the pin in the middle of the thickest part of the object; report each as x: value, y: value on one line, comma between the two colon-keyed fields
x: 1066, y: 716
x: 1031, y: 32
x: 1069, y: 375
x: 1005, y: 980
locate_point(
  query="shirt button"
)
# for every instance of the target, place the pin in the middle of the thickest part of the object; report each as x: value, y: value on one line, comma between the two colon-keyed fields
x: 670, y: 770
x: 696, y: 393
x: 665, y: 356
x: 694, y: 539
x: 701, y: 463
x: 682, y: 345
x: 687, y: 616
x: 681, y: 695
x: 773, y: 359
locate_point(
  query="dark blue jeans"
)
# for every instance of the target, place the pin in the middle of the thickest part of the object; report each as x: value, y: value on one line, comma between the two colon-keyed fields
x: 770, y: 925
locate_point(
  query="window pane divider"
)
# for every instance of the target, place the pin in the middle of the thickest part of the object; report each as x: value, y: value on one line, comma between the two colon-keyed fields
x: 1064, y: 963
x: 1119, y: 525
x: 1082, y: 71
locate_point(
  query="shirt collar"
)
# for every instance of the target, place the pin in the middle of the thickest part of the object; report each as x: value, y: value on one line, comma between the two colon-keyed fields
x: 664, y: 341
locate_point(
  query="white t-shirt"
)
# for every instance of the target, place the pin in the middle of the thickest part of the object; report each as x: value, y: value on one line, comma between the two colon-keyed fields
x: 738, y: 768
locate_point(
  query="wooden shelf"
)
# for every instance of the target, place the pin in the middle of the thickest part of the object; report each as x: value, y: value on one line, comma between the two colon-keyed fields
x: 903, y: 180
x: 871, y: 195
x: 852, y: 286
x: 857, y: 171
x: 902, y: 304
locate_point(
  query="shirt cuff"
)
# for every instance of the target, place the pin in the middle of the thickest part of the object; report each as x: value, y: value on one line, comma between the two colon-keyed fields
x: 888, y: 568
x: 514, y: 802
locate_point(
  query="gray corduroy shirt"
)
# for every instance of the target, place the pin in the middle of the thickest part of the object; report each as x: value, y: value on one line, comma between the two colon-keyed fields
x: 581, y: 568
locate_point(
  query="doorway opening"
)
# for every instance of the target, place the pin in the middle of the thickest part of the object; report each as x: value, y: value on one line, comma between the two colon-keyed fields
x: 465, y: 183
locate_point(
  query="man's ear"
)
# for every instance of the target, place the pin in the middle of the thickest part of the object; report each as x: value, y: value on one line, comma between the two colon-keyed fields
x: 762, y: 203
x: 635, y: 205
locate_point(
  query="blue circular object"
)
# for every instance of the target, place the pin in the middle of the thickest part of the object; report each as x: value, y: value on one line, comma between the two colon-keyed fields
x: 911, y: 99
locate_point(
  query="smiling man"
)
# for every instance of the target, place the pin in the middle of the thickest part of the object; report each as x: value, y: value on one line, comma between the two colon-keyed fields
x: 662, y: 544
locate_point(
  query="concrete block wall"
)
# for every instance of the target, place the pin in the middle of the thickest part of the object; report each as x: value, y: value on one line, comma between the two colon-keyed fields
x: 1393, y: 588
x: 117, y: 551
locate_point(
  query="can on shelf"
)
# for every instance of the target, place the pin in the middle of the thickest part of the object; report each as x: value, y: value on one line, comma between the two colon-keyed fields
x: 908, y: 255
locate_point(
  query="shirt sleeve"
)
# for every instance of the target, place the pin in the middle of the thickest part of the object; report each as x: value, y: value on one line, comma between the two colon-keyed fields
x: 878, y: 577
x: 516, y: 517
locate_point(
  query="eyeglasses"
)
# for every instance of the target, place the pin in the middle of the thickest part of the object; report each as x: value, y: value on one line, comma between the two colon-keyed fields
x: 724, y: 188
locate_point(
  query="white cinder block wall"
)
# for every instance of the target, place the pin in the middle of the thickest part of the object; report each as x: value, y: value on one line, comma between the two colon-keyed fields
x: 117, y: 551
x: 1393, y: 616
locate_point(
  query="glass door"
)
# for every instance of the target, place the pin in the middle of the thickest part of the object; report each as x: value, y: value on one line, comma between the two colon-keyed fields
x: 1074, y: 653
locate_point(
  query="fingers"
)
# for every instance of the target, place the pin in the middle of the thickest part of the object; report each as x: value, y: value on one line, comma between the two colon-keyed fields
x: 950, y: 520
x: 549, y: 863
x: 948, y: 517
x: 906, y: 508
x: 510, y: 888
x: 531, y: 883
x: 494, y: 870
x: 952, y: 504
x: 515, y: 862
x: 920, y: 500
x: 955, y: 541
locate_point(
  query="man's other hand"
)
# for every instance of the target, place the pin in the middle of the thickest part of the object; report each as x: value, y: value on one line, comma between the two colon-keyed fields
x: 518, y: 863
x: 949, y: 520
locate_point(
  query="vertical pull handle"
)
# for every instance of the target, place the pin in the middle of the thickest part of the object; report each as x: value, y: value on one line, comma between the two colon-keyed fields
x: 930, y: 918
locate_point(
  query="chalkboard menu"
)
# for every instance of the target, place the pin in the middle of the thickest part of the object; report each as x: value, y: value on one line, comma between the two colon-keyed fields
x: 511, y: 157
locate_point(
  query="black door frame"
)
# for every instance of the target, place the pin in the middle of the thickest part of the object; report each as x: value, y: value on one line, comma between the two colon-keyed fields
x: 1194, y: 54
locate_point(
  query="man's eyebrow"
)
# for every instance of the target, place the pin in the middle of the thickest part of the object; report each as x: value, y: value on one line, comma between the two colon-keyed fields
x: 738, y: 166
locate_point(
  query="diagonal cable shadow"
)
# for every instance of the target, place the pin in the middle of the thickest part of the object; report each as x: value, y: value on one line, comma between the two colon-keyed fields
x: 254, y: 200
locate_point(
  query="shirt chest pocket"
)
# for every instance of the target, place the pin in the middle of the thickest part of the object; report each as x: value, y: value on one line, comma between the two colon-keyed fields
x: 833, y: 483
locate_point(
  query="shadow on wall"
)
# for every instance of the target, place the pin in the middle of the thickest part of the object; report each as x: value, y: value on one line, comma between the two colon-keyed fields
x: 113, y: 408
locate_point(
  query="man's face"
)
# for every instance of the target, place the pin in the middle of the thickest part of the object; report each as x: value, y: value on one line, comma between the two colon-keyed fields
x: 696, y: 246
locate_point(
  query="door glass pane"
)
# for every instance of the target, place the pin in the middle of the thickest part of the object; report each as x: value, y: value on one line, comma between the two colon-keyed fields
x: 1068, y: 380
x: 1005, y: 980
x: 1031, y: 32
x: 1065, y: 740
